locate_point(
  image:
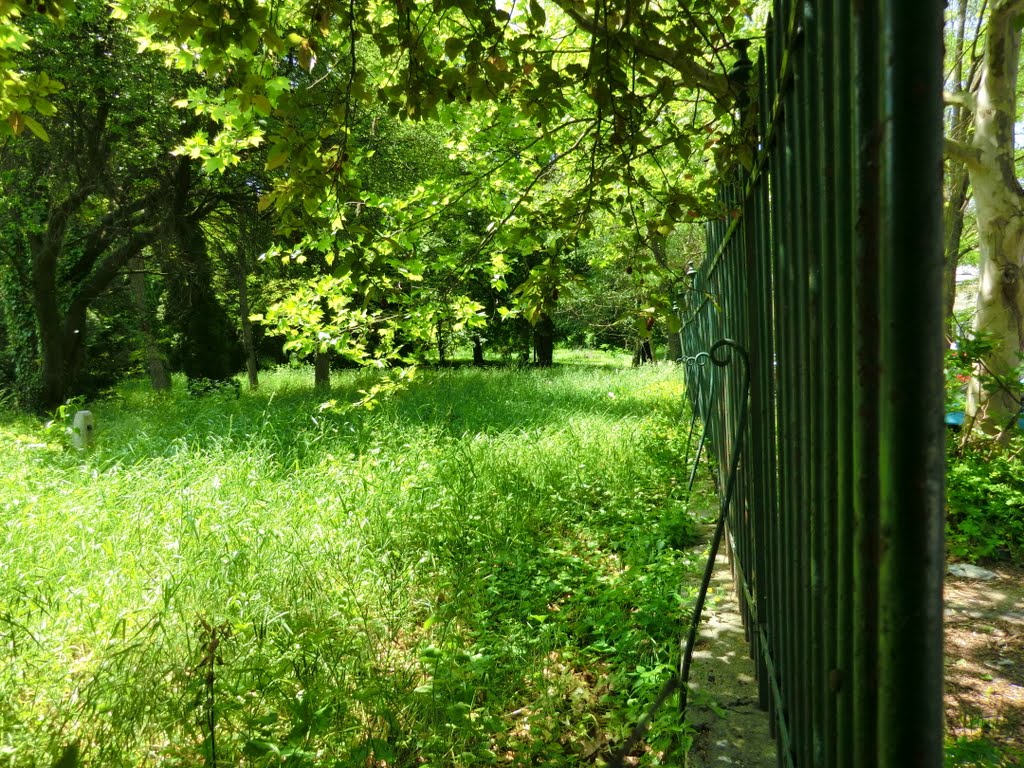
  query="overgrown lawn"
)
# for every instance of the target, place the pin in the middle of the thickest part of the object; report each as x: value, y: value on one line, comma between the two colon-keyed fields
x: 486, y: 567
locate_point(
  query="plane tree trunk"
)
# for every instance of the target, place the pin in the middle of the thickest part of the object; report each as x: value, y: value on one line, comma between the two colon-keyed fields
x: 957, y: 179
x: 994, y: 392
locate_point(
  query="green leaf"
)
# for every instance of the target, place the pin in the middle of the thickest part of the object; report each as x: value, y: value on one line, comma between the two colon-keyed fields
x: 262, y: 104
x: 453, y: 46
x: 35, y: 127
x: 214, y: 163
x: 277, y: 156
x: 537, y: 13
x: 43, y: 107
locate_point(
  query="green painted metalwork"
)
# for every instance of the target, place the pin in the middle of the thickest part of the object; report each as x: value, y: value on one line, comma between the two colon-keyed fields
x: 825, y: 265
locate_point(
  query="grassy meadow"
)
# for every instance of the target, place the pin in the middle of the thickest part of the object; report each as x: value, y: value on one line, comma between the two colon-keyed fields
x: 483, y: 567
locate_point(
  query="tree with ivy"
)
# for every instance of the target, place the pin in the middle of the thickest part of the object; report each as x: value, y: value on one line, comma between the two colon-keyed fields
x: 97, y: 194
x: 82, y: 197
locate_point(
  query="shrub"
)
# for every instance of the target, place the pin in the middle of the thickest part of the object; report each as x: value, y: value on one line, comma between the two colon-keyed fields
x: 985, y: 504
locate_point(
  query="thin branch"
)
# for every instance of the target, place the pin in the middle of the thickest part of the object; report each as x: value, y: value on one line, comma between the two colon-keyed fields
x: 529, y: 188
x: 969, y: 156
x: 962, y: 99
x: 695, y: 75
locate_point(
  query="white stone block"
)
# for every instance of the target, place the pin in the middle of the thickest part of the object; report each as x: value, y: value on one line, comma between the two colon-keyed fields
x: 83, y: 430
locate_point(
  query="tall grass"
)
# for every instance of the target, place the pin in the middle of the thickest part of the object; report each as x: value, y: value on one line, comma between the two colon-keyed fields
x: 483, y: 568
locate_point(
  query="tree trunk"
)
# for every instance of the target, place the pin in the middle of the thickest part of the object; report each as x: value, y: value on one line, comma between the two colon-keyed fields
x: 51, y: 337
x: 322, y: 371
x: 251, y: 363
x: 158, y: 377
x: 478, y: 351
x: 642, y: 353
x: 46, y: 249
x: 441, y: 345
x: 994, y: 393
x: 957, y: 178
x: 673, y: 347
x: 956, y: 202
x: 544, y: 341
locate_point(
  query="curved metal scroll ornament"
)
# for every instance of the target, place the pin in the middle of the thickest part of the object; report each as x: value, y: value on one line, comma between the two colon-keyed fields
x: 716, y: 540
x: 681, y: 679
x: 705, y: 399
x: 691, y: 362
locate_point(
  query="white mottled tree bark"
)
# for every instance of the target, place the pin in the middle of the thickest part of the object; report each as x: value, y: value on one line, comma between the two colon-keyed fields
x: 994, y: 392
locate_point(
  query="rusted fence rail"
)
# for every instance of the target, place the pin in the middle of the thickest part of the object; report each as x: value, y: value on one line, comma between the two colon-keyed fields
x: 826, y: 267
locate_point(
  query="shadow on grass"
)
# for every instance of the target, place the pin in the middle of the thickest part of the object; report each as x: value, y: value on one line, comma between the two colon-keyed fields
x: 294, y: 421
x: 493, y: 402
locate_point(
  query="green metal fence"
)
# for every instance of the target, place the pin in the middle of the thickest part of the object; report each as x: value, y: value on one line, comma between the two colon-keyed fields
x: 826, y: 267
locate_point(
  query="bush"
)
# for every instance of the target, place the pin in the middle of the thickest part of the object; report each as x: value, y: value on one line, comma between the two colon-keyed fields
x: 985, y: 504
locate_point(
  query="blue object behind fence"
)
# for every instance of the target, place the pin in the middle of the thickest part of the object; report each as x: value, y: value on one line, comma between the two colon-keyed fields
x: 955, y: 420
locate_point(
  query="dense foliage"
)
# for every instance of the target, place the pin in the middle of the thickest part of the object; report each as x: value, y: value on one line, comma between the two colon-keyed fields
x: 984, y: 484
x: 373, y: 182
x: 985, y: 504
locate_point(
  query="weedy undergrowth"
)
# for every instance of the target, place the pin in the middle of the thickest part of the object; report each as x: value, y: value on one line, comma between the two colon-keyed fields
x: 489, y: 567
x: 984, y: 481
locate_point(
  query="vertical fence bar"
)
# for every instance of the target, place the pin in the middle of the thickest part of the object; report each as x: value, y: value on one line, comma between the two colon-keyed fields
x: 840, y: 676
x: 789, y: 624
x: 825, y: 746
x: 864, y: 674
x: 816, y: 382
x: 776, y: 544
x: 803, y: 418
x: 764, y: 514
x: 912, y: 454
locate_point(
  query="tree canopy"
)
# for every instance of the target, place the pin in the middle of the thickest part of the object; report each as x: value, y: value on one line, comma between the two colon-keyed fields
x: 423, y: 165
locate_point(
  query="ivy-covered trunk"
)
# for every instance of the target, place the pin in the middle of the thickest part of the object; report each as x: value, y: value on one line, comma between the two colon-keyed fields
x: 61, y: 309
x: 208, y: 346
x: 19, y: 337
x: 52, y: 374
x: 207, y: 342
x: 158, y: 376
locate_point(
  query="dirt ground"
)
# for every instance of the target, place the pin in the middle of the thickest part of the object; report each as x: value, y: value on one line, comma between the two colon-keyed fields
x: 730, y: 727
x: 985, y: 658
x: 984, y: 674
